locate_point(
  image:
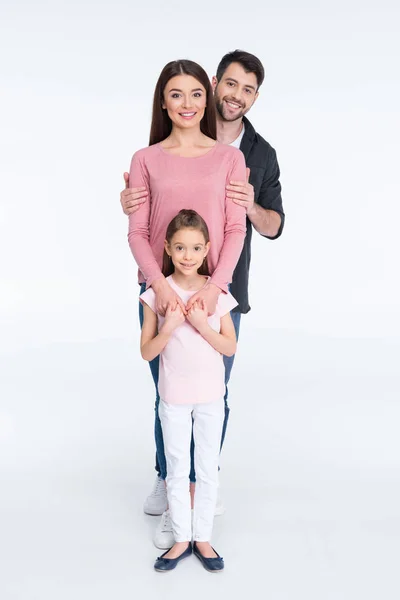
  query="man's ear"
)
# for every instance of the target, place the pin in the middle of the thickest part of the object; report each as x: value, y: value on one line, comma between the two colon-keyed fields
x: 256, y: 96
x: 214, y: 82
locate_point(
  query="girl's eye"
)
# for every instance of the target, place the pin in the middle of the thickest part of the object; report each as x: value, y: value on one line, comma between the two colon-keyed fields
x: 179, y: 248
x: 197, y: 248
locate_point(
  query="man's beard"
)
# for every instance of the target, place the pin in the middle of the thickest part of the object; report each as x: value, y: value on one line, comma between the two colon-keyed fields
x: 220, y: 108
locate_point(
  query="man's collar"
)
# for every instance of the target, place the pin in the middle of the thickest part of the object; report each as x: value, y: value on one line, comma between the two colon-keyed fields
x: 248, y: 137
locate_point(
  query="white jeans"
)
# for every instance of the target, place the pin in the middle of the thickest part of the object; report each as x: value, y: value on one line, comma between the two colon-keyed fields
x: 176, y: 422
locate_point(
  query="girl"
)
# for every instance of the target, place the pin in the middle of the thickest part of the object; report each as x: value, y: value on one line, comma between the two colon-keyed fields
x: 191, y: 385
x: 183, y: 167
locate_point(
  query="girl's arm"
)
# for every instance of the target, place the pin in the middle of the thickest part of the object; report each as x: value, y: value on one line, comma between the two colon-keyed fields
x: 224, y: 341
x: 152, y: 341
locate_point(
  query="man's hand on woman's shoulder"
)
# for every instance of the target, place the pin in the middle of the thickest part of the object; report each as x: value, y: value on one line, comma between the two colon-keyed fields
x: 132, y: 198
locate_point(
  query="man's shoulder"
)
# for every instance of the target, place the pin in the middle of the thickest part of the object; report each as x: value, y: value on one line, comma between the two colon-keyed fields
x: 259, y: 145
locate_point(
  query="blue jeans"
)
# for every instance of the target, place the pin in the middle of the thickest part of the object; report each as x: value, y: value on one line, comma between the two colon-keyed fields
x: 161, y: 464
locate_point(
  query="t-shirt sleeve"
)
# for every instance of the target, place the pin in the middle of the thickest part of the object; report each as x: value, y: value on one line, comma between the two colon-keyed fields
x: 148, y: 297
x: 226, y: 302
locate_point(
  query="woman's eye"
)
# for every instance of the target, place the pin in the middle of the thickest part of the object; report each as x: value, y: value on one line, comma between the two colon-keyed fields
x: 175, y: 95
x: 197, y: 94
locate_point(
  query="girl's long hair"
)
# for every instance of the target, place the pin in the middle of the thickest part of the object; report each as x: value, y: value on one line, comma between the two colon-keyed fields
x: 185, y: 219
x: 161, y: 124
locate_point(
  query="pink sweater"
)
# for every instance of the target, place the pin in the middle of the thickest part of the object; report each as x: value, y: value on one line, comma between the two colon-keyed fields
x: 177, y: 182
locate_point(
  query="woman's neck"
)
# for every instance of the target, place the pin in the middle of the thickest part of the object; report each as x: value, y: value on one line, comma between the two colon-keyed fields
x: 189, y: 282
x: 187, y: 138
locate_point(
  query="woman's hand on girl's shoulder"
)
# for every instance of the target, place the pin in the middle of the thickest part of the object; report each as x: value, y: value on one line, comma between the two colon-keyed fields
x: 166, y: 296
x: 209, y: 295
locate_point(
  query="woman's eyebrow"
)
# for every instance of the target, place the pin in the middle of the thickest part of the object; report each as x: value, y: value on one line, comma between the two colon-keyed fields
x: 177, y: 90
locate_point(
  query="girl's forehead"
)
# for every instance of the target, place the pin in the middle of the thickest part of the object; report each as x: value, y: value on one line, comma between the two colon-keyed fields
x: 188, y: 235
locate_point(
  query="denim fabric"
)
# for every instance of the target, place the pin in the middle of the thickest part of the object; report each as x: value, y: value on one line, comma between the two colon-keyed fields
x: 161, y: 465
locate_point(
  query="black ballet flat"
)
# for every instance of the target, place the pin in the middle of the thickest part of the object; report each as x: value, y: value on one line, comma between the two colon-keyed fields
x: 167, y: 564
x: 212, y: 565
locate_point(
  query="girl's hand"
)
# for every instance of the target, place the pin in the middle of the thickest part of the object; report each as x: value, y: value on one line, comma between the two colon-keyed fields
x: 166, y: 296
x: 198, y: 314
x: 173, y: 318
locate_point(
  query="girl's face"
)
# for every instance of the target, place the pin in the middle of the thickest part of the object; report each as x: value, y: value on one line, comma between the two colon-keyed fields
x: 187, y: 250
x: 185, y: 101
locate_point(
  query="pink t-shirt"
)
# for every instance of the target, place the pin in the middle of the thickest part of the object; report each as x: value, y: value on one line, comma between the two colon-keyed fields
x: 191, y: 370
x: 177, y: 182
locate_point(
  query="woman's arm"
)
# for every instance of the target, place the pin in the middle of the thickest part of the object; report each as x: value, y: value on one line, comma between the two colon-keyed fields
x: 234, y: 235
x: 234, y: 232
x: 139, y: 223
x: 139, y: 241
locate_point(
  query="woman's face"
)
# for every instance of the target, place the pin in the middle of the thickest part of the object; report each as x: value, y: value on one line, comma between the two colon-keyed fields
x: 185, y: 101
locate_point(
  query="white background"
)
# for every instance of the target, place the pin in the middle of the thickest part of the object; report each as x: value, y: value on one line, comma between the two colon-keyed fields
x: 310, y: 470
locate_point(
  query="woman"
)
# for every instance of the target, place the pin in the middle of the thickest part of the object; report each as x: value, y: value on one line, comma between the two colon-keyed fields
x: 184, y: 167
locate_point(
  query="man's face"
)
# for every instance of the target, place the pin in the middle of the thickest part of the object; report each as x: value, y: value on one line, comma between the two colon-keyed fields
x: 236, y: 93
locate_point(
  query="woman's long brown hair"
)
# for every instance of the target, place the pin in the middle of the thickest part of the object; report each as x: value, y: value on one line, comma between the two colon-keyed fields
x: 161, y: 124
x: 185, y: 219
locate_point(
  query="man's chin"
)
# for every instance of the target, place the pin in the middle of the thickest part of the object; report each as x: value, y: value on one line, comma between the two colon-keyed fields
x: 228, y: 117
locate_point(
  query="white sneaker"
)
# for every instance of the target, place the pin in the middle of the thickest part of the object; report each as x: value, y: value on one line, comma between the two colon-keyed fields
x: 163, y: 537
x: 156, y: 503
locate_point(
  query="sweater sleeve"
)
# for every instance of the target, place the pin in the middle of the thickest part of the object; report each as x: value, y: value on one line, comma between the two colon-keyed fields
x: 139, y: 232
x: 235, y: 229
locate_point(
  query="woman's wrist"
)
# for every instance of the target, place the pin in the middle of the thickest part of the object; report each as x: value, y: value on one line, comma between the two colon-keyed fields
x: 159, y: 283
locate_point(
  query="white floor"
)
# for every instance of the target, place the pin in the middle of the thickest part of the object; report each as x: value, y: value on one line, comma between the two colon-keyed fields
x: 310, y: 474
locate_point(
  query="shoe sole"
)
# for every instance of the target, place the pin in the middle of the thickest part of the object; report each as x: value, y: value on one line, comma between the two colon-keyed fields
x: 153, y: 513
x: 205, y: 568
x: 164, y: 547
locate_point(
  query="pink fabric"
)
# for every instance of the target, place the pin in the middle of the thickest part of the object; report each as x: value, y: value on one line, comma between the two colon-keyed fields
x: 176, y: 182
x: 191, y: 370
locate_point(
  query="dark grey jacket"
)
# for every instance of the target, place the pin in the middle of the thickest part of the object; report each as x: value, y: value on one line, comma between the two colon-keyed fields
x: 264, y: 176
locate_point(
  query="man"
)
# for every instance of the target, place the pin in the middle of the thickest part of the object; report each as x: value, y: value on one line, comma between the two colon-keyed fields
x: 236, y: 88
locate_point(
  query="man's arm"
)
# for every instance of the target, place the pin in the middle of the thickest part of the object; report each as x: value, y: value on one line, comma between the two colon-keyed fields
x: 266, y: 215
x: 266, y: 222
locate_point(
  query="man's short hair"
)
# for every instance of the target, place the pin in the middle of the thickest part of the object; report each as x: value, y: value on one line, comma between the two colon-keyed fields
x: 249, y: 62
